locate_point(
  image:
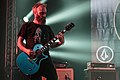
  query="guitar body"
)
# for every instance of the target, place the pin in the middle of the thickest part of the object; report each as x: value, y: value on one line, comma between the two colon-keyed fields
x: 30, y: 66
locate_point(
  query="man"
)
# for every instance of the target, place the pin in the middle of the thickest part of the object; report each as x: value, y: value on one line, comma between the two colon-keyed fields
x: 36, y: 32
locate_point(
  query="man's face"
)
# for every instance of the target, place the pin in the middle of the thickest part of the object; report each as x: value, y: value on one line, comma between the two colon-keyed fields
x: 41, y: 12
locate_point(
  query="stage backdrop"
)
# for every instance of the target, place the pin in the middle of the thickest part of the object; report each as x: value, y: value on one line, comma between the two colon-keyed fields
x: 105, y: 31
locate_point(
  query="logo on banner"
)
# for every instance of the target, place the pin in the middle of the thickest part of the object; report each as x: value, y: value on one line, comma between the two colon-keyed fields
x: 104, y: 54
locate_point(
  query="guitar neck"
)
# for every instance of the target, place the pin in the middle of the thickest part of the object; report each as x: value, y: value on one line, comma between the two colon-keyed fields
x: 46, y: 46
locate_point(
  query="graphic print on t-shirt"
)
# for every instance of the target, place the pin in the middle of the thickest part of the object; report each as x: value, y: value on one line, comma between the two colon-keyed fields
x: 37, y: 36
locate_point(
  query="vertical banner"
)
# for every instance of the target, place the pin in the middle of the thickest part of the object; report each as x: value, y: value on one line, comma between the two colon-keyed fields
x: 105, y: 41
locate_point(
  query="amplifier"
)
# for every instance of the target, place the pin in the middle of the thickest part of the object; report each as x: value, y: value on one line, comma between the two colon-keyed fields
x: 64, y: 74
x: 100, y: 65
x: 94, y: 74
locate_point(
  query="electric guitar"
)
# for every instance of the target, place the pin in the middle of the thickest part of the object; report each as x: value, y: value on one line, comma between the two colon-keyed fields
x: 29, y: 65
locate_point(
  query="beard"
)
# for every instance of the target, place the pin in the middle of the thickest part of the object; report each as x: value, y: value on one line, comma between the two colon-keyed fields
x: 42, y: 20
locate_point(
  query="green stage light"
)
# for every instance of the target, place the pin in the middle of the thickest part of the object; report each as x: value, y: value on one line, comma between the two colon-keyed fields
x: 70, y: 56
x: 69, y: 13
x: 26, y: 18
x: 73, y: 51
x: 43, y: 1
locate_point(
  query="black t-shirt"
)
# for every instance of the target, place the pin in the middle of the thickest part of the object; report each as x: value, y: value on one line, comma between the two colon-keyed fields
x: 35, y: 34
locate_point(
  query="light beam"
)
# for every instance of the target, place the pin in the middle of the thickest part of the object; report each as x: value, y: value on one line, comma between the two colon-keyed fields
x: 69, y: 13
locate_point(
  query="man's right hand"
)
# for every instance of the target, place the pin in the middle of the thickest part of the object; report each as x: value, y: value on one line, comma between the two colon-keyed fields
x: 31, y: 53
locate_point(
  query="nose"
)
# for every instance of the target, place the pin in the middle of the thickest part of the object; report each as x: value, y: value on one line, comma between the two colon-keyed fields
x: 43, y: 14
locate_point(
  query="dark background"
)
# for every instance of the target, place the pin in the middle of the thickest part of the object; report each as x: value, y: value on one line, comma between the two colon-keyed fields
x: 2, y: 36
